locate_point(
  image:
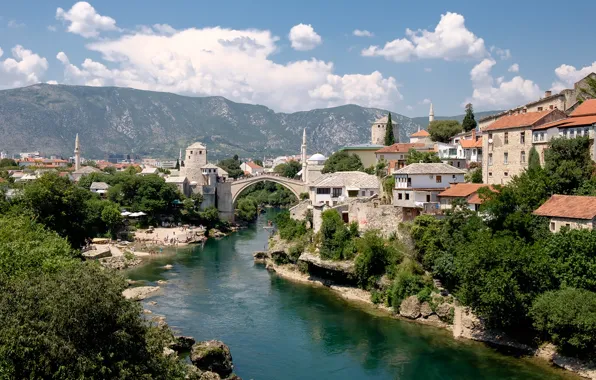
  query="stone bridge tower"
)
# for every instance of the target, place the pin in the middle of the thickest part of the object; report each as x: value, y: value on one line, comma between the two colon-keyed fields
x: 194, y: 160
x: 378, y: 131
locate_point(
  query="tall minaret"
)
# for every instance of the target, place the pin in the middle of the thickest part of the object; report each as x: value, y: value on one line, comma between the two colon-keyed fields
x: 303, y: 152
x: 77, y: 153
x: 431, y: 114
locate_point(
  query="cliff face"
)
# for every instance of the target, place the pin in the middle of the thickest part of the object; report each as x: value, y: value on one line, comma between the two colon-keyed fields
x: 122, y: 120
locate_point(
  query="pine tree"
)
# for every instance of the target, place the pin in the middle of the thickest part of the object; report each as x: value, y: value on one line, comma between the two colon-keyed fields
x: 177, y: 164
x: 533, y: 160
x: 469, y: 122
x: 389, y: 138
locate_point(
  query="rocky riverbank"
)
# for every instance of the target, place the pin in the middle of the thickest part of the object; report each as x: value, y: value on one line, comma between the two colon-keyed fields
x: 440, y: 311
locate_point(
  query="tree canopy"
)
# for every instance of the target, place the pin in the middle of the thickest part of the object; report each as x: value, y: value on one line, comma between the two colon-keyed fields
x: 389, y: 137
x: 232, y: 166
x: 469, y: 121
x: 443, y: 130
x: 415, y: 156
x: 342, y: 162
x: 289, y: 169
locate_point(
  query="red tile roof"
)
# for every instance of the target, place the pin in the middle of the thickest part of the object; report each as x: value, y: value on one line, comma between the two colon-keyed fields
x: 403, y: 148
x: 520, y: 120
x: 462, y: 189
x: 420, y: 133
x: 252, y: 165
x: 568, y: 206
x: 470, y: 143
x: 588, y: 107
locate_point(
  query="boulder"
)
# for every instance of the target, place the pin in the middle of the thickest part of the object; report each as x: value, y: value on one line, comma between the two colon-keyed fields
x: 410, y: 307
x: 182, y: 343
x: 209, y: 376
x: 161, y: 282
x: 425, y: 310
x: 444, y: 310
x: 193, y: 373
x: 212, y: 355
x: 98, y: 252
x: 434, y: 318
x: 233, y: 377
x: 168, y: 351
x: 139, y: 293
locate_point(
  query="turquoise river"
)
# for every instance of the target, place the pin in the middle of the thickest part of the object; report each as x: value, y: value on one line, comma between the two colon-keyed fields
x: 278, y: 329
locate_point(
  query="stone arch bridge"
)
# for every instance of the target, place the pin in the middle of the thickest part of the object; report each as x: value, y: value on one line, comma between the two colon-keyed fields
x: 228, y: 192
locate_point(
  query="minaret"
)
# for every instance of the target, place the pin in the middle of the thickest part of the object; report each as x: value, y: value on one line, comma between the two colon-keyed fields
x: 77, y: 153
x: 303, y: 151
x: 431, y: 114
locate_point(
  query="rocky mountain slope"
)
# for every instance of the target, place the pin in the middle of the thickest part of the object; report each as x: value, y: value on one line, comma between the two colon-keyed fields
x: 122, y: 121
x: 423, y: 120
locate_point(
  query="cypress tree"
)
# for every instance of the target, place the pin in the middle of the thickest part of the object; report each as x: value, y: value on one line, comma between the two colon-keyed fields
x: 469, y: 122
x: 389, y: 138
x: 533, y: 160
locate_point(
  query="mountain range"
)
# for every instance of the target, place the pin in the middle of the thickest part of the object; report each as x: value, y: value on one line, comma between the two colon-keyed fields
x: 112, y: 120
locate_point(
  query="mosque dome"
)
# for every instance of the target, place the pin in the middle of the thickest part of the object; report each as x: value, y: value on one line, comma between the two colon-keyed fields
x: 317, y: 157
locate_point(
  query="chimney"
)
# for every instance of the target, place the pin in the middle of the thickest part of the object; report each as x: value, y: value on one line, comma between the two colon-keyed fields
x: 474, y: 135
x: 547, y: 93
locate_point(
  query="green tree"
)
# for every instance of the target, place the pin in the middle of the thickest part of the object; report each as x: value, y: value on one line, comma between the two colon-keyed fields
x: 342, y: 162
x: 374, y: 256
x: 415, y: 156
x: 588, y: 92
x: 232, y: 166
x: 469, y: 121
x: 258, y: 162
x: 75, y: 324
x: 8, y: 163
x: 246, y: 209
x: 110, y: 216
x: 567, y: 317
x: 335, y: 237
x: 177, y: 167
x: 534, y: 159
x: 289, y: 169
x: 476, y: 175
x: 444, y: 130
x: 389, y: 137
x: 567, y: 162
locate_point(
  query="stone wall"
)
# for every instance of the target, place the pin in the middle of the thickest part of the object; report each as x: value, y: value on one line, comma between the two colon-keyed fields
x: 298, y: 212
x: 373, y: 215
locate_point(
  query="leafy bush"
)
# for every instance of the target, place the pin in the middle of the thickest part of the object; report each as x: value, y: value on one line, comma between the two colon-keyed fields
x: 246, y: 209
x: 374, y: 255
x: 289, y: 229
x: 335, y: 237
x: 568, y: 318
x: 342, y: 162
x: 406, y: 284
x: 74, y: 323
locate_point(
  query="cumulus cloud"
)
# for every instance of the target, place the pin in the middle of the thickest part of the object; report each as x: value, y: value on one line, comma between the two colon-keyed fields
x: 226, y: 62
x: 14, y: 24
x: 303, y: 37
x: 499, y: 93
x: 450, y: 40
x: 82, y: 19
x: 362, y: 33
x: 25, y: 67
x: 52, y: 28
x: 514, y: 68
x: 409, y: 108
x: 568, y: 75
x: 425, y: 101
x: 501, y: 53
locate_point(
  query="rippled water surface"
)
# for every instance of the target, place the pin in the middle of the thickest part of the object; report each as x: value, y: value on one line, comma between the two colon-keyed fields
x: 278, y: 329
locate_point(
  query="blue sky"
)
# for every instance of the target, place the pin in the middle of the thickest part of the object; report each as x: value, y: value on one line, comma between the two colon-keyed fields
x: 294, y: 56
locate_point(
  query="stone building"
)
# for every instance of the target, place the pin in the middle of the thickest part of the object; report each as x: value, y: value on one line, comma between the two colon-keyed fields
x: 335, y: 188
x: 571, y: 211
x: 421, y: 137
x: 566, y: 100
x: 399, y: 153
x: 366, y: 152
x: 378, y: 131
x: 507, y: 142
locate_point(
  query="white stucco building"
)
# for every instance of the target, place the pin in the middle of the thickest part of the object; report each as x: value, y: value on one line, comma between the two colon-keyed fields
x: 334, y: 188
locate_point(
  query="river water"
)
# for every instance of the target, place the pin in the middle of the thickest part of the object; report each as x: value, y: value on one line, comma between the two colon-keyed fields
x: 277, y: 329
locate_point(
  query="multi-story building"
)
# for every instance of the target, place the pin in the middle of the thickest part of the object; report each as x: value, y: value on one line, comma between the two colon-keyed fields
x: 334, y: 188
x: 507, y: 143
x: 467, y: 192
x: 377, y: 131
x: 581, y: 122
x: 366, y: 152
x: 421, y: 136
x: 417, y: 186
x: 399, y: 153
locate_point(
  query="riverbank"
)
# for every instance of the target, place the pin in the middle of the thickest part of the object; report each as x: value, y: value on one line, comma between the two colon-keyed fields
x: 465, y: 325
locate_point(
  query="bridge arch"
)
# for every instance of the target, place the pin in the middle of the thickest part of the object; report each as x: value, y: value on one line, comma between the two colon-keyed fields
x: 296, y: 187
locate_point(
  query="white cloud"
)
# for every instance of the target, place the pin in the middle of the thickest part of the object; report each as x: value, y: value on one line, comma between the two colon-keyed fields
x: 502, y: 53
x: 52, y: 82
x: 303, y: 37
x: 514, y: 68
x: 52, y: 28
x: 14, y: 24
x: 85, y: 21
x: 503, y: 94
x: 568, y: 75
x: 450, y: 40
x: 164, y: 29
x: 226, y: 62
x: 362, y: 33
x: 425, y: 101
x: 25, y: 67
x: 428, y: 69
x: 409, y: 108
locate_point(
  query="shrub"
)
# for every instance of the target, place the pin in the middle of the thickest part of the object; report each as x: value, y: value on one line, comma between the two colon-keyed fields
x: 568, y: 318
x: 334, y: 237
x: 374, y: 255
x: 406, y: 284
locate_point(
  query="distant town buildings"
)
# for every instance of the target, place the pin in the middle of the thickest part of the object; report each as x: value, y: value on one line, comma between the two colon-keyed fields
x: 467, y: 192
x: 335, y: 188
x: 251, y: 168
x: 570, y: 211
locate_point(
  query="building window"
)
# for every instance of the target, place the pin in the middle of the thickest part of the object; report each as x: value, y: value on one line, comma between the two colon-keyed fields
x: 505, y: 158
x: 586, y: 131
x: 490, y: 159
x: 200, y: 152
x: 363, y: 193
x: 541, y: 136
x: 522, y: 157
x: 506, y: 174
x: 399, y: 196
x: 539, y: 109
x: 490, y: 136
x: 336, y: 192
x: 191, y: 152
x: 407, y: 196
x: 506, y: 138
x: 439, y: 179
x: 567, y: 225
x: 551, y: 107
x: 382, y: 156
x: 490, y: 174
x: 323, y: 190
x: 522, y: 137
x: 552, y: 226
